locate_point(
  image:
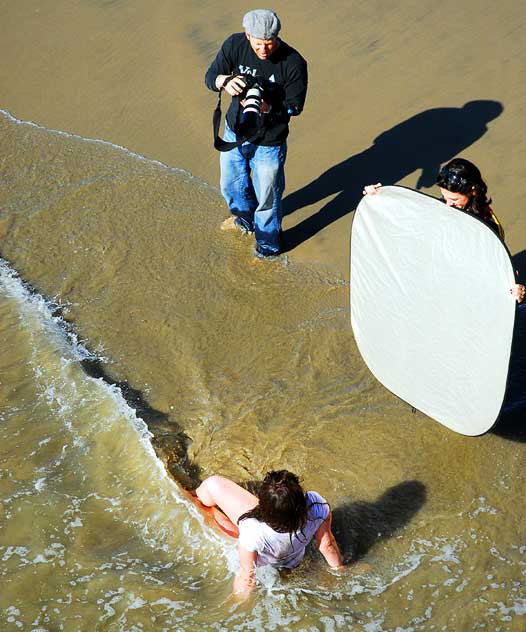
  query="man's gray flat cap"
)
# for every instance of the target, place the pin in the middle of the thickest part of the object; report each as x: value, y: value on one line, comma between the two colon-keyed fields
x: 262, y: 24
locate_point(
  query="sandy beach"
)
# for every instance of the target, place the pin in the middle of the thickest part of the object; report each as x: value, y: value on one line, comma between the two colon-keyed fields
x: 144, y: 324
x: 133, y: 74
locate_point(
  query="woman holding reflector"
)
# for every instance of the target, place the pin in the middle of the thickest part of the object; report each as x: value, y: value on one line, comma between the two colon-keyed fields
x: 461, y: 186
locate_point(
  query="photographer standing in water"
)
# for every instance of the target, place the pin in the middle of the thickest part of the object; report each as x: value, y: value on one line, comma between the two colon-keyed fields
x: 267, y: 80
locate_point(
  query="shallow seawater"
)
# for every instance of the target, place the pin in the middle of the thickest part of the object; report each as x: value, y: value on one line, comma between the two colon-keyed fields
x: 135, y: 334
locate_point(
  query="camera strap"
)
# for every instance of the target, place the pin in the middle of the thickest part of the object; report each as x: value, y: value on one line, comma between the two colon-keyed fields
x: 219, y: 143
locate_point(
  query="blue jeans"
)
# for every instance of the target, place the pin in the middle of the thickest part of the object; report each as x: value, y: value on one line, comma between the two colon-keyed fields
x: 252, y: 183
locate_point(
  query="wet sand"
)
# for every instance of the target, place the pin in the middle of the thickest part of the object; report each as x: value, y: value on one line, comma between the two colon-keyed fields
x: 120, y: 242
x: 132, y: 74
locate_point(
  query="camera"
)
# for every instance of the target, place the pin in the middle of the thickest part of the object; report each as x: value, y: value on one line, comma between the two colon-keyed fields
x: 249, y: 119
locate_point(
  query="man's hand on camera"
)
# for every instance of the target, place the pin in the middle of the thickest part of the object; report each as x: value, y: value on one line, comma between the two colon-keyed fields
x: 235, y: 86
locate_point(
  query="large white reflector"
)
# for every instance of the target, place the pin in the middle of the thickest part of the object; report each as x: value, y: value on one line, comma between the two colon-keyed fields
x: 431, y: 307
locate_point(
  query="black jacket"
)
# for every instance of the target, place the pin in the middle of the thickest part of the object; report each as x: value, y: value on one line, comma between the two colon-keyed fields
x: 283, y: 78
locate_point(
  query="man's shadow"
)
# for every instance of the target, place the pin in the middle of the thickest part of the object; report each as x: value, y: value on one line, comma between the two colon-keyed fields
x: 511, y: 423
x: 358, y: 525
x: 423, y: 142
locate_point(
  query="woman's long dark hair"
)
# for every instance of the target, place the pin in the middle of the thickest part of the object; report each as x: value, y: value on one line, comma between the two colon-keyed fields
x: 282, y: 503
x: 462, y: 176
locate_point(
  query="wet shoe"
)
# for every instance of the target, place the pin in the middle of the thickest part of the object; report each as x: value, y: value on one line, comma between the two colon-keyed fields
x: 261, y: 254
x: 233, y: 223
x: 229, y: 223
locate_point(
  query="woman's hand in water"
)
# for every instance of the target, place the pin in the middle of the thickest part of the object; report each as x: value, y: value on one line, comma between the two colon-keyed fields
x: 519, y: 292
x: 371, y: 189
x: 244, y: 583
x: 245, y: 578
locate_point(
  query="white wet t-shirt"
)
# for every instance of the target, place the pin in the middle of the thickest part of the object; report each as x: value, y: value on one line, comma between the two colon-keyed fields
x: 283, y: 549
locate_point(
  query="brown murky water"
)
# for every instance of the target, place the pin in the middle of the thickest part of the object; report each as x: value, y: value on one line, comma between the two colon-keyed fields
x: 237, y: 366
x: 158, y: 329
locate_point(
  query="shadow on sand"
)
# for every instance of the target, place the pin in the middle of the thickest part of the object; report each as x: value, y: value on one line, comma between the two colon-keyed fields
x: 169, y: 441
x: 359, y: 525
x: 423, y: 142
x: 512, y: 420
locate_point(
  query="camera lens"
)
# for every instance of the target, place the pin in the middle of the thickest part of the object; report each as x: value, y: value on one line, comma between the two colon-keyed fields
x: 252, y: 101
x: 249, y: 119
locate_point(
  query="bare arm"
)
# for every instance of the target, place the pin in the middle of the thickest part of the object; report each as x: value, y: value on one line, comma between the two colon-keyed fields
x: 245, y: 579
x: 327, y: 544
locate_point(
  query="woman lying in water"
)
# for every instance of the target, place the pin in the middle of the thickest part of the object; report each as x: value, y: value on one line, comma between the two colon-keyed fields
x: 273, y: 527
x: 461, y: 186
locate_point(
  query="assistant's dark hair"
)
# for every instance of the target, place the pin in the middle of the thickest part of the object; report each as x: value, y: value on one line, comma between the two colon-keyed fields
x: 282, y: 502
x: 462, y: 176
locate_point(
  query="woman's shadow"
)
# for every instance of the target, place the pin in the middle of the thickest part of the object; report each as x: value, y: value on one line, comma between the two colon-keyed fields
x: 358, y: 525
x: 422, y: 142
x: 170, y: 442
